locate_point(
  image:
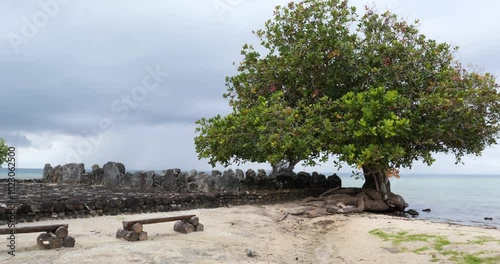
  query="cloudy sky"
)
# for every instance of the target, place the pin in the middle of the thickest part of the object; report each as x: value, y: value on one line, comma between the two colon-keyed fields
x: 92, y: 81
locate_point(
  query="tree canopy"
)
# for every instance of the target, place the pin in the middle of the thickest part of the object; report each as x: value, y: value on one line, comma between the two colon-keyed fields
x: 4, y: 150
x: 369, y: 89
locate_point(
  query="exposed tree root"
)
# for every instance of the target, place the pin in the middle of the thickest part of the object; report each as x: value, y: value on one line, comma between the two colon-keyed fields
x: 349, y: 200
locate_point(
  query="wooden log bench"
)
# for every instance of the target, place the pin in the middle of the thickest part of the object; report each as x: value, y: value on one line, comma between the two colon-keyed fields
x: 55, y: 236
x: 133, y: 230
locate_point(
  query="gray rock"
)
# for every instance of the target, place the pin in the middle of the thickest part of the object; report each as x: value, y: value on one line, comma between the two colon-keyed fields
x: 48, y: 241
x: 228, y: 173
x: 183, y: 227
x: 239, y: 174
x: 68, y: 241
x: 192, y: 187
x: 318, y: 180
x: 250, y: 174
x: 159, y: 179
x: 72, y: 172
x: 127, y: 179
x: 334, y: 181
x: 87, y: 178
x: 171, y: 181
x: 205, y: 182
x: 227, y: 182
x: 113, y: 173
x: 191, y: 177
x: 250, y: 252
x: 138, y: 177
x: 216, y: 173
x: 47, y: 173
x: 56, y: 174
x: 149, y: 179
x: 261, y: 173
x: 97, y: 175
x: 412, y: 212
x: 303, y: 174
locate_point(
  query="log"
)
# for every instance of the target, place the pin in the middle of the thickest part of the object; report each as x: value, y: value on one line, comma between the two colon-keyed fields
x: 68, y: 241
x: 143, y: 236
x: 31, y: 229
x: 200, y: 227
x: 61, y: 232
x: 137, y: 227
x: 131, y: 236
x: 194, y: 220
x: 183, y: 227
x: 48, y: 241
x: 127, y: 235
x: 128, y: 224
x: 120, y: 233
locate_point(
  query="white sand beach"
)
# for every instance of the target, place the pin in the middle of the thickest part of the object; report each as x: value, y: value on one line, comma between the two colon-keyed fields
x: 229, y: 232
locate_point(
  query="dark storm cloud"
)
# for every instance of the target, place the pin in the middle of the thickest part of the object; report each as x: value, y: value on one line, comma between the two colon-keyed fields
x: 58, y: 84
x: 15, y: 140
x: 67, y: 78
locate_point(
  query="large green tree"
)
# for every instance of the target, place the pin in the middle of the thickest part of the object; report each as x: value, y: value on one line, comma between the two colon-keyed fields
x: 369, y: 89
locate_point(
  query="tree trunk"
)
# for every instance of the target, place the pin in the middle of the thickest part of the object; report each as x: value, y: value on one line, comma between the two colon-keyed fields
x: 284, y: 165
x: 350, y: 200
x: 376, y: 179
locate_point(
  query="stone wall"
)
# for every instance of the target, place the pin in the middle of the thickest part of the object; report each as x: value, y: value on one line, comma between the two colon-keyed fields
x: 41, y: 201
x: 114, y: 175
x: 68, y: 191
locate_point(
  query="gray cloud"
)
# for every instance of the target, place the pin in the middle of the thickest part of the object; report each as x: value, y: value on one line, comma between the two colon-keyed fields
x: 64, y: 81
x: 15, y: 140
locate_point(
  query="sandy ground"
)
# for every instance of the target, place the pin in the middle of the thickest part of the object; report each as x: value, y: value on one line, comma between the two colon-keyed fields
x: 229, y: 232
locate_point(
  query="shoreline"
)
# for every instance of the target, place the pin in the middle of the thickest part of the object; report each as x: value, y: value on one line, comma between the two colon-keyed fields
x: 230, y: 231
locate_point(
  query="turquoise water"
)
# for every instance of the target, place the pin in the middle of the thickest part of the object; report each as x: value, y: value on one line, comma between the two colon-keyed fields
x: 463, y: 199
x: 22, y: 173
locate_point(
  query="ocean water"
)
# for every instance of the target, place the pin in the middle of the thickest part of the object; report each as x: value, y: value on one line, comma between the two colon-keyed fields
x: 461, y: 199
